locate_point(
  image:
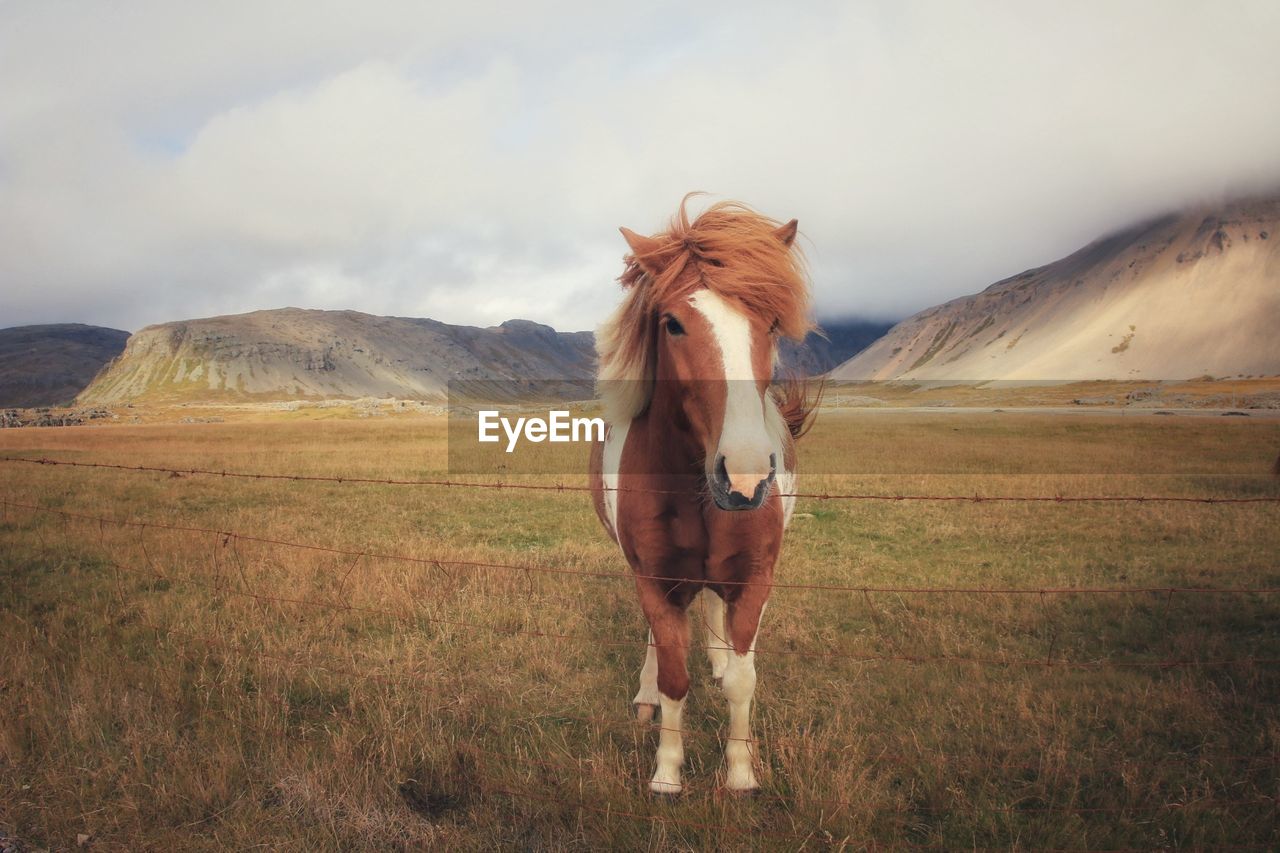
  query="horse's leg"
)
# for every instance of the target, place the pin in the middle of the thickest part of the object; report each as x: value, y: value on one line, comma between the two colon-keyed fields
x: 646, y: 701
x: 717, y: 638
x: 740, y: 684
x: 670, y: 630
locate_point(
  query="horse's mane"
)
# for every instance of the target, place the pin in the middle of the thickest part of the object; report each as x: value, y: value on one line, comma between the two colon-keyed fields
x: 729, y: 249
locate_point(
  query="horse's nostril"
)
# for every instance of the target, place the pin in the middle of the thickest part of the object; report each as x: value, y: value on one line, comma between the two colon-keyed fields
x: 722, y: 473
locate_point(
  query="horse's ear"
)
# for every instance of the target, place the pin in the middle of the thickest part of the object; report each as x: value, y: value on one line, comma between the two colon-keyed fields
x: 643, y: 249
x: 787, y: 233
x: 640, y: 244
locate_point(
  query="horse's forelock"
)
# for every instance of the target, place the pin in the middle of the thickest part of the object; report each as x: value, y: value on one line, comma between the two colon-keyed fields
x: 734, y: 251
x: 730, y: 249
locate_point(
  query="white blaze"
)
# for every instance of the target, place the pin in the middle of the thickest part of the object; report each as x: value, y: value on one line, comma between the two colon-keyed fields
x: 744, y: 440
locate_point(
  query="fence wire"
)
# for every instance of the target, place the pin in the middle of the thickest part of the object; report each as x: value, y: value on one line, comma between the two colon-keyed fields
x: 362, y: 674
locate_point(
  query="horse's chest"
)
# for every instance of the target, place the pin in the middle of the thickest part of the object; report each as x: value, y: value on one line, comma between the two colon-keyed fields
x: 671, y: 533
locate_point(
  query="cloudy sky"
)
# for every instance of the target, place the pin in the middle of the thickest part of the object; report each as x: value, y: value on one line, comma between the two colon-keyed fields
x: 472, y: 161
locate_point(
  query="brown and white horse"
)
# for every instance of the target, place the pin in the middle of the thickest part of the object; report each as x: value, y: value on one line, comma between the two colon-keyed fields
x: 699, y: 454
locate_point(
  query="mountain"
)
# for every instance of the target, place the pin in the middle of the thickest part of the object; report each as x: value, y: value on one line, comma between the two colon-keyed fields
x: 837, y: 341
x: 294, y: 353
x: 1181, y: 296
x: 297, y: 353
x: 49, y: 365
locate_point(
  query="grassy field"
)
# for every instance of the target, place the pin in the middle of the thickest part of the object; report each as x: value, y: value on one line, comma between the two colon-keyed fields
x: 177, y: 689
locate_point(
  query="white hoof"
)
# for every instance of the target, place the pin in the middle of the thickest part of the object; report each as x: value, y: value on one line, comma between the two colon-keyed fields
x: 658, y: 786
x: 647, y: 695
x: 742, y: 781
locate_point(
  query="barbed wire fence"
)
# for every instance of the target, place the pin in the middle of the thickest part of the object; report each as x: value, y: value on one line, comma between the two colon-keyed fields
x: 571, y: 487
x: 225, y: 540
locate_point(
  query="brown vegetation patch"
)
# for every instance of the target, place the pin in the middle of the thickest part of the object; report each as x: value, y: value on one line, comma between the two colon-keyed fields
x: 936, y: 345
x: 1125, y: 341
x: 349, y: 705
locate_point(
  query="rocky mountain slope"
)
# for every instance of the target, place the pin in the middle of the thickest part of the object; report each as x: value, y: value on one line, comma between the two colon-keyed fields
x: 49, y: 365
x: 297, y: 353
x: 294, y: 353
x: 1178, y: 297
x: 838, y: 341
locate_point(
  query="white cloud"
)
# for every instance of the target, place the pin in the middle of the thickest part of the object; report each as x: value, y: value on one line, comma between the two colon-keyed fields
x: 474, y: 164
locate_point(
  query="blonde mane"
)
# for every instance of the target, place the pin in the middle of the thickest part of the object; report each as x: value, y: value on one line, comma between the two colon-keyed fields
x: 729, y: 249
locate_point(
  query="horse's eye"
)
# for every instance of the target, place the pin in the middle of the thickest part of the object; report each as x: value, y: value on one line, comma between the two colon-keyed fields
x: 674, y: 327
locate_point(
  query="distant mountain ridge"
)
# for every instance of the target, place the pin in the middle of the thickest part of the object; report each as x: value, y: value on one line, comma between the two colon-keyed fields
x: 48, y: 365
x: 1177, y: 297
x: 302, y: 353
x: 834, y: 343
x: 294, y: 353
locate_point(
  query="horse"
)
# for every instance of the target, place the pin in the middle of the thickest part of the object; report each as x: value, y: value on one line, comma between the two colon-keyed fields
x: 694, y: 478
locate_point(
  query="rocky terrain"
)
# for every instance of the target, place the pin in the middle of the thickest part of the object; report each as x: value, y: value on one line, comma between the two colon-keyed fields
x: 49, y: 365
x: 47, y: 417
x: 295, y: 353
x: 1182, y: 296
x: 836, y: 342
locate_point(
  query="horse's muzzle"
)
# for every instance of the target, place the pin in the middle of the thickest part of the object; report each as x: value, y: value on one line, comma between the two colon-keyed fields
x: 728, y: 498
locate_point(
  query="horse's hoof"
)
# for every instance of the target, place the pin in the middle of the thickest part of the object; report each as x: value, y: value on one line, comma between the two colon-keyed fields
x: 744, y: 793
x: 645, y: 712
x: 665, y: 789
x: 741, y: 784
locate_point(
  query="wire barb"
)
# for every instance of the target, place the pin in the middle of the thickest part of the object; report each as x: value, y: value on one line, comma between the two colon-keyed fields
x: 562, y: 487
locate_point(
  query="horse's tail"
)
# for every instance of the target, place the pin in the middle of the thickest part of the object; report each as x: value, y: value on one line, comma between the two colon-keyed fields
x: 798, y: 408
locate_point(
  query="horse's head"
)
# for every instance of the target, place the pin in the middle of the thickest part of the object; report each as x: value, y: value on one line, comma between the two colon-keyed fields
x: 708, y: 303
x: 717, y: 360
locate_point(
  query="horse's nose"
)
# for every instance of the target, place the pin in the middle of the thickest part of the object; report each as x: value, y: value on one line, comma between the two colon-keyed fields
x: 743, y: 487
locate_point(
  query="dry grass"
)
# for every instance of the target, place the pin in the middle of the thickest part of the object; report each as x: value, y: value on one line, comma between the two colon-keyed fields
x: 1205, y: 392
x: 181, y: 712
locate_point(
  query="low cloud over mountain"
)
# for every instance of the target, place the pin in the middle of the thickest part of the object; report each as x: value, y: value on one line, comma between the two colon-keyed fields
x: 1177, y: 297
